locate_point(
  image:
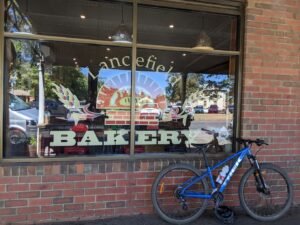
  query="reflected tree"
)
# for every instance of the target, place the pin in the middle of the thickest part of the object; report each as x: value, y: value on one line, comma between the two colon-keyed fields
x: 192, y: 86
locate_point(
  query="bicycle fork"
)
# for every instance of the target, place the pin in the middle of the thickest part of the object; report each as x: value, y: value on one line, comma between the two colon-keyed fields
x: 261, y: 185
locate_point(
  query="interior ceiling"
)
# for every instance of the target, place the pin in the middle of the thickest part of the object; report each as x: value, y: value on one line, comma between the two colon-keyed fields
x: 62, y: 18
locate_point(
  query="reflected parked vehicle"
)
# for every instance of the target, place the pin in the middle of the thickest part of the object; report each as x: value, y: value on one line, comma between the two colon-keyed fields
x: 199, y: 109
x: 231, y: 108
x: 151, y: 108
x: 22, y: 120
x: 54, y: 107
x: 213, y: 109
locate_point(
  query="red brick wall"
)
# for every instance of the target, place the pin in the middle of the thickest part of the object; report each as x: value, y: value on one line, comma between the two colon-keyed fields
x: 271, y: 92
x: 76, y: 191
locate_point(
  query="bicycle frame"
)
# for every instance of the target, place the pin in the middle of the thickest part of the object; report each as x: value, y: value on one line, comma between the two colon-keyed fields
x: 185, y: 193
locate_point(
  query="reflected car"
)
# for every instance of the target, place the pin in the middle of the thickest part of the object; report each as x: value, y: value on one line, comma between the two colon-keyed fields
x: 213, y: 109
x: 22, y: 120
x: 168, y: 109
x: 231, y: 108
x: 151, y: 108
x: 54, y: 107
x: 199, y: 109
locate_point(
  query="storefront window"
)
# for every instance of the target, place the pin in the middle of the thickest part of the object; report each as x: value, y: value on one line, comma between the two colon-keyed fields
x: 85, y: 94
x: 185, y: 98
x: 77, y: 18
x: 186, y: 28
x: 71, y: 79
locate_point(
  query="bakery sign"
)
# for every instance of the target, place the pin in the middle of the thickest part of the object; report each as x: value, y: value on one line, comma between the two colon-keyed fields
x: 120, y: 137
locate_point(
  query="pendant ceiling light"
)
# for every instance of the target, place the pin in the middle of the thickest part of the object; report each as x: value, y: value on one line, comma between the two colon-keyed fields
x: 204, y: 41
x: 122, y: 33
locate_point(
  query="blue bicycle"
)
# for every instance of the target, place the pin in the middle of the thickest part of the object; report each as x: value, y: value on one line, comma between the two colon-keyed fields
x: 180, y: 193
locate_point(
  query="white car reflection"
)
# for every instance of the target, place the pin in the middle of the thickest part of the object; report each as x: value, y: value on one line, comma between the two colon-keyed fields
x: 22, y: 120
x: 151, y: 108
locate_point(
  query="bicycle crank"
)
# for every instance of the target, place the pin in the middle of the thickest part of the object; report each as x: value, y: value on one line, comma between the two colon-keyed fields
x: 218, y: 198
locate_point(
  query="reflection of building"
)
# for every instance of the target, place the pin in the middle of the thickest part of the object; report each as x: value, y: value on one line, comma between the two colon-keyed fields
x: 25, y: 95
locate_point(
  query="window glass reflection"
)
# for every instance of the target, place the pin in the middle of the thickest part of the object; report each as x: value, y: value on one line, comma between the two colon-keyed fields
x: 66, y: 99
x: 102, y: 20
x: 186, y: 28
x: 189, y: 101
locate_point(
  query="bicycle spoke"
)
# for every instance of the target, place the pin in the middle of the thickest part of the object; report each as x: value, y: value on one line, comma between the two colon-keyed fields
x: 168, y: 201
x: 270, y: 202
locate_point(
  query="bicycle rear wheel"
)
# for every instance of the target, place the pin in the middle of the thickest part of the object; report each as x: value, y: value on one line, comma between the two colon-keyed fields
x: 270, y: 205
x: 165, y: 197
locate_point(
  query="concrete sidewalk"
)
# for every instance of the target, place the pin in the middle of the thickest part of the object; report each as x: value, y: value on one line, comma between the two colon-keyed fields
x: 292, y: 218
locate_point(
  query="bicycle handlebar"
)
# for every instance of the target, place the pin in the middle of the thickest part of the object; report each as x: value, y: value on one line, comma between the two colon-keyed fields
x: 210, y: 132
x: 246, y: 142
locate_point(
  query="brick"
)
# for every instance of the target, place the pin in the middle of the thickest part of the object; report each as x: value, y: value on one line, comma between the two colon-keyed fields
x: 95, y: 177
x: 28, y: 210
x: 122, y: 197
x: 65, y: 215
x: 107, y: 183
x: 52, y: 178
x: 15, y: 203
x: 8, y: 195
x: 75, y: 178
x: 8, y: 180
x: 121, y: 183
x: 30, y: 179
x: 40, y: 187
x: 29, y: 194
x: 73, y: 207
x: 63, y: 186
x: 145, y: 181
x: 51, y: 193
x: 8, y: 211
x: 115, y: 190
x: 105, y: 197
x: 39, y: 201
x: 52, y: 208
x: 14, y: 218
x: 115, y: 176
x: 89, y: 184
x: 95, y: 191
x: 84, y: 199
x: 95, y: 206
x: 75, y: 192
x: 63, y: 200
x: 118, y: 204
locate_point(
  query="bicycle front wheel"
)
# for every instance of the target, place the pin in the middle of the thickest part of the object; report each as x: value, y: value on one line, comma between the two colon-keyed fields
x: 272, y: 203
x: 168, y: 204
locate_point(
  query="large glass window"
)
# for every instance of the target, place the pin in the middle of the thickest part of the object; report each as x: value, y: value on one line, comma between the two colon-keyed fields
x: 84, y: 92
x: 185, y: 97
x: 69, y: 18
x: 71, y: 91
x: 186, y: 28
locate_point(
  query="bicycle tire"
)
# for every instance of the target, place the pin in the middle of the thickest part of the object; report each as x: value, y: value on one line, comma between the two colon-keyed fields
x: 281, y: 192
x: 162, y: 195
